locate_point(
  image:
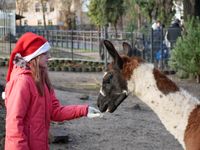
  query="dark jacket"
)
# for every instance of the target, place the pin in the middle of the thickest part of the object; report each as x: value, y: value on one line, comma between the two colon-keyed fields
x: 173, y: 32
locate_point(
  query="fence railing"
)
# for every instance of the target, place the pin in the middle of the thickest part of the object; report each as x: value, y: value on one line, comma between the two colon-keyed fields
x: 5, y: 32
x: 73, y: 43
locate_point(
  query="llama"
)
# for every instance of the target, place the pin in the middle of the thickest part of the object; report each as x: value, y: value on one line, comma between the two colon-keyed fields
x: 176, y: 108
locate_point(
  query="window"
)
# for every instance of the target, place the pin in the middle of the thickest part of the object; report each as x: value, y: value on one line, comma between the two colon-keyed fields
x: 51, y: 8
x: 37, y: 7
x: 25, y: 22
x: 50, y: 22
x: 45, y: 6
x: 39, y: 22
x: 25, y: 9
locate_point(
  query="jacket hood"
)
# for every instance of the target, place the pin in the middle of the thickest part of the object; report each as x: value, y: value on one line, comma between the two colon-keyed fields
x: 18, y: 71
x: 20, y: 66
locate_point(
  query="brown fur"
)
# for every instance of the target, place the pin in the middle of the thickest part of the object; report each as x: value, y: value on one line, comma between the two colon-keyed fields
x: 129, y: 65
x: 192, y: 133
x: 164, y: 84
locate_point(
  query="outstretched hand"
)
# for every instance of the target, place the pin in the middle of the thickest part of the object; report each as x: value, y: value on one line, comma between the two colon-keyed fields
x: 93, y: 112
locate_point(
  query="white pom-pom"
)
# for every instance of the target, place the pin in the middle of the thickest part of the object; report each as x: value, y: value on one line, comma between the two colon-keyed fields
x: 3, y: 95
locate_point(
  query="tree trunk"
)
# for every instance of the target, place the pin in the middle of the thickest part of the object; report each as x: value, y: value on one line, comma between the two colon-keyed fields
x: 198, y: 78
x: 197, y: 8
x: 43, y: 13
x: 44, y: 18
x: 191, y: 8
x: 115, y: 26
x: 20, y: 22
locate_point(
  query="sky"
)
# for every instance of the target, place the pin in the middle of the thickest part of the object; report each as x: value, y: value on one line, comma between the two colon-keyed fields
x: 84, y: 6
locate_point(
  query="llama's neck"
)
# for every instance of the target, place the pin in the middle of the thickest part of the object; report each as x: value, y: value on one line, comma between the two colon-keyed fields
x: 173, y: 109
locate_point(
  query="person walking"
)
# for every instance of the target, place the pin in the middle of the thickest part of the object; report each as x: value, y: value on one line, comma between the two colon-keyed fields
x: 30, y: 99
x: 173, y: 32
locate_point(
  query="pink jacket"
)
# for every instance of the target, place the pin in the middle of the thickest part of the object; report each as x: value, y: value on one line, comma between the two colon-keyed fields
x: 28, y: 114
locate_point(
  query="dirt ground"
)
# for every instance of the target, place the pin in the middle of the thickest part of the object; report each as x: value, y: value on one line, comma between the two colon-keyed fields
x: 133, y: 126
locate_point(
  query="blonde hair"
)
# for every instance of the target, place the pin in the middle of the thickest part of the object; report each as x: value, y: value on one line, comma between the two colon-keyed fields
x: 40, y: 76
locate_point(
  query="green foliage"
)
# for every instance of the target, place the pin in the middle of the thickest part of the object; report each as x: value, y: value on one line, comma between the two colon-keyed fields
x: 186, y: 54
x: 96, y: 12
x: 102, y: 12
x: 131, y: 15
x: 114, y: 9
x: 146, y: 7
x: 149, y: 10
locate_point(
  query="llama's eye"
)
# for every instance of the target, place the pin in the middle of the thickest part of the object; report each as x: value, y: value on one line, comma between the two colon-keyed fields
x: 110, y: 76
x: 108, y: 79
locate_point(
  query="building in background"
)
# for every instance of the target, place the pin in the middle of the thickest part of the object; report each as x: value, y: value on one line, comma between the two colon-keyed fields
x: 7, y: 26
x: 57, y: 13
x: 7, y: 18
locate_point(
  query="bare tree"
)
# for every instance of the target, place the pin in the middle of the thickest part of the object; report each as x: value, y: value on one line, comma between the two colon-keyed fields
x: 3, y: 4
x: 66, y: 16
x: 44, y: 10
x: 22, y: 6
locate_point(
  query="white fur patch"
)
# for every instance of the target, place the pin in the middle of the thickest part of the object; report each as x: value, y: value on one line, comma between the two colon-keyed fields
x: 173, y: 109
x: 101, y: 89
x: 101, y: 92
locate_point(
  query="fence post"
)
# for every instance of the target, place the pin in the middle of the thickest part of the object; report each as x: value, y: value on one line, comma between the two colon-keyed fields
x: 62, y: 35
x: 57, y: 38
x: 10, y: 32
x: 78, y: 37
x: 132, y: 44
x: 143, y: 43
x: 84, y: 41
x: 152, y: 53
x: 91, y: 41
x: 99, y: 38
x: 47, y: 35
x: 72, y: 47
x: 52, y: 38
x: 162, y: 63
x: 67, y: 38
x: 105, y: 51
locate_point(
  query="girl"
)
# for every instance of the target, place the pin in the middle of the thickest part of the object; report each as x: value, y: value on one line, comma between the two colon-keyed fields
x: 30, y: 99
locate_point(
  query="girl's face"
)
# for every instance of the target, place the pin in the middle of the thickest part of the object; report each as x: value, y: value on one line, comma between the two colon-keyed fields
x: 43, y: 59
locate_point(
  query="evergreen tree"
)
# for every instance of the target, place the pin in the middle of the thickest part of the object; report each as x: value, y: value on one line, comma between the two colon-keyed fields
x: 186, y: 54
x: 102, y: 12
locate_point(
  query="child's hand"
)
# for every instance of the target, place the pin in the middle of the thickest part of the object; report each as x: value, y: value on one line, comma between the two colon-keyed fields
x: 93, y: 112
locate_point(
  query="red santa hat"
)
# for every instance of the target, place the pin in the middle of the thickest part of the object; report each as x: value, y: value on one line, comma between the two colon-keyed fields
x: 29, y: 46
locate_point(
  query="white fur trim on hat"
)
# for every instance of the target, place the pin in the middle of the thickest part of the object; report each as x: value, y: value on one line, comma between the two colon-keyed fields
x: 44, y: 48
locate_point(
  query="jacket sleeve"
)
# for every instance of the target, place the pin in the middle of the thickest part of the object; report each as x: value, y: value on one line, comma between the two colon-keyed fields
x: 17, y: 102
x: 61, y: 113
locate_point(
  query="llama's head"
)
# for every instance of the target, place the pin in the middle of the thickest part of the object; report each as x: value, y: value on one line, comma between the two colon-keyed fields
x: 114, y: 85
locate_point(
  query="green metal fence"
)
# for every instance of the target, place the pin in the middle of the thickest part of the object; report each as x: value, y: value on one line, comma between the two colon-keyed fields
x: 7, y: 38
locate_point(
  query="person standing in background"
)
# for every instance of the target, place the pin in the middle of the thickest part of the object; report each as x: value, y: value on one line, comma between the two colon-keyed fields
x: 157, y: 38
x: 173, y: 32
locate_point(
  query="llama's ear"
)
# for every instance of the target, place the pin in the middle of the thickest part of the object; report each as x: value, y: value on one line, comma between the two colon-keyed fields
x: 127, y: 49
x: 114, y: 54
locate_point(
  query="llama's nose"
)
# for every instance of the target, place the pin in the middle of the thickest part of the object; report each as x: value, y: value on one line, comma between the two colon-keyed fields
x: 98, y: 105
